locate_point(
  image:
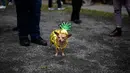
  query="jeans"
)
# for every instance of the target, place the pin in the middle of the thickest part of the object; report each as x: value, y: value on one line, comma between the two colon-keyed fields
x: 28, y: 17
x: 117, y: 10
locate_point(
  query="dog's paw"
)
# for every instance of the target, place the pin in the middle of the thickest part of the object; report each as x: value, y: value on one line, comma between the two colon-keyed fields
x: 63, y: 54
x: 56, y: 54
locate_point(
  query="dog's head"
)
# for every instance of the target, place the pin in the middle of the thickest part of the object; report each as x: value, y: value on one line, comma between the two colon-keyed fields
x: 62, y: 37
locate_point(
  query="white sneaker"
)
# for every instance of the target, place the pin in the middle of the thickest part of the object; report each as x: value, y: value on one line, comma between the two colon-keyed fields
x: 50, y: 8
x: 2, y: 7
x: 61, y: 8
x: 10, y: 3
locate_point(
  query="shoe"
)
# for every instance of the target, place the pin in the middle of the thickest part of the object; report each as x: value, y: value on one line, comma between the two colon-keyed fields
x: 2, y: 7
x: 24, y: 41
x: 60, y: 8
x: 15, y: 29
x: 50, y: 8
x: 76, y: 21
x: 39, y: 41
x: 116, y: 33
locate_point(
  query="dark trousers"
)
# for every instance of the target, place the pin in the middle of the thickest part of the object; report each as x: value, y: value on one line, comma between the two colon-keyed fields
x: 58, y: 3
x: 117, y: 10
x: 10, y: 0
x: 28, y: 17
x: 76, y: 7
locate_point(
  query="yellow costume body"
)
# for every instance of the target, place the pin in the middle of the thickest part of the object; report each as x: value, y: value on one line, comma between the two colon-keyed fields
x: 53, y: 38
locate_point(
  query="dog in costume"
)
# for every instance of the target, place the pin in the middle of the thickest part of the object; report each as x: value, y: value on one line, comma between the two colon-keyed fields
x: 59, y: 37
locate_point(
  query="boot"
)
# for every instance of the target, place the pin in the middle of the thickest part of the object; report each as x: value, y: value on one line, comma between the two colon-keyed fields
x: 117, y: 32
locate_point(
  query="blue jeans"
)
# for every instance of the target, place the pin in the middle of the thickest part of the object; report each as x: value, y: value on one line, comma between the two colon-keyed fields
x: 3, y: 2
x: 28, y: 17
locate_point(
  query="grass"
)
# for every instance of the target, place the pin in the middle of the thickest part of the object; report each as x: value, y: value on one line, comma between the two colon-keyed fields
x: 85, y: 11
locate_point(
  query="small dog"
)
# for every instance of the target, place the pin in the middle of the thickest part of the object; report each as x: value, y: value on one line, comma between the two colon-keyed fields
x: 59, y: 38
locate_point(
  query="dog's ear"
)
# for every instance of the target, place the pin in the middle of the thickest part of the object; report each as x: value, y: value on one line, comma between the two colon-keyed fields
x: 56, y: 33
x: 69, y: 35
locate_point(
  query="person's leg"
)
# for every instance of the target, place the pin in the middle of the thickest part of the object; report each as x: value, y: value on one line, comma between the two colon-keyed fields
x: 35, y: 12
x: 127, y: 5
x: 50, y: 3
x: 76, y: 6
x: 117, y: 12
x: 74, y: 11
x: 10, y: 0
x: 59, y: 3
x: 78, y: 12
x: 22, y: 21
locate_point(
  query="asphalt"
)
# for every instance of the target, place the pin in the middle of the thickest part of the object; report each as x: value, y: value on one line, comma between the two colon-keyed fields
x: 90, y: 49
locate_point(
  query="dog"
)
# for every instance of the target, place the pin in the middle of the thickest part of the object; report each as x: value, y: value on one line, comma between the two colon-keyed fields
x: 59, y: 38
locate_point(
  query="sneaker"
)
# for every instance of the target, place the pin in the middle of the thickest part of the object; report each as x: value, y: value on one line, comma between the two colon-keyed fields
x: 61, y: 8
x: 50, y: 8
x: 10, y: 3
x: 2, y: 7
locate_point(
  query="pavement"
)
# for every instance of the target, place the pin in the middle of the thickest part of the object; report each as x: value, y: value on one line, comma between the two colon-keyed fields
x: 90, y: 49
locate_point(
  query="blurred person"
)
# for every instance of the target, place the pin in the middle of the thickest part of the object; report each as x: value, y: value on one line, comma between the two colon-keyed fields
x: 76, y: 7
x: 59, y: 5
x: 117, y: 11
x: 28, y: 19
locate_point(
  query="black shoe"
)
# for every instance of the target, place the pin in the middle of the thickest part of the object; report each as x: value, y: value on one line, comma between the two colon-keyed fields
x: 76, y: 21
x: 116, y: 33
x: 39, y: 41
x: 24, y: 41
x: 15, y: 29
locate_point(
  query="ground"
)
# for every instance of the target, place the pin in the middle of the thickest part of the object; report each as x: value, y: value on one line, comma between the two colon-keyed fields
x: 90, y: 49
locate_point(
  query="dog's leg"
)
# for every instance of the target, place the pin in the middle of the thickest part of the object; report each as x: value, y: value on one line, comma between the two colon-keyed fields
x: 56, y: 52
x: 63, y: 54
x: 50, y: 44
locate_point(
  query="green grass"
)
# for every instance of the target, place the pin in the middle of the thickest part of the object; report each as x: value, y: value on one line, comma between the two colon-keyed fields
x: 85, y: 12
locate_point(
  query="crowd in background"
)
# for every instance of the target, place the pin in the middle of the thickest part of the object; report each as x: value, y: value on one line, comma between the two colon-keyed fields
x: 28, y: 17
